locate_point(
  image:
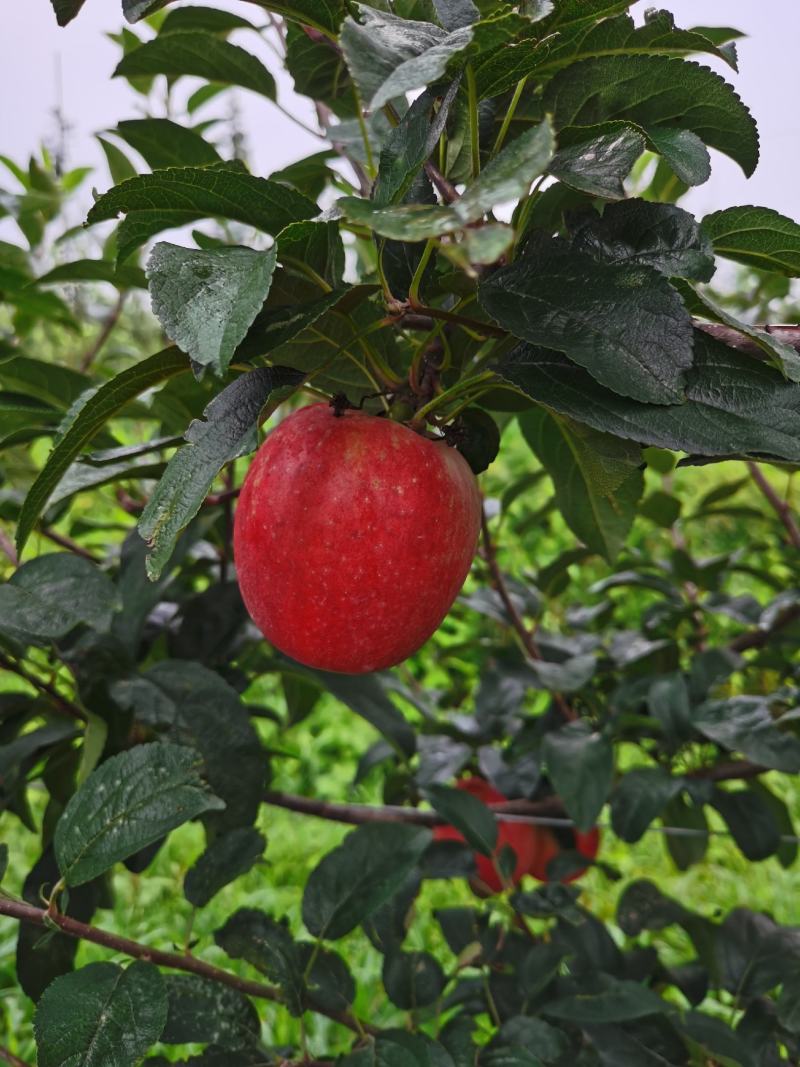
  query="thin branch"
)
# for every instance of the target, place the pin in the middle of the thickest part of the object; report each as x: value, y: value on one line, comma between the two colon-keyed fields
x: 446, y: 189
x: 106, y: 330
x: 7, y: 548
x: 66, y: 542
x: 62, y: 703
x: 517, y: 622
x: 788, y: 334
x: 485, y: 329
x: 780, y: 507
x: 760, y: 637
x: 27, y: 913
x: 9, y: 1057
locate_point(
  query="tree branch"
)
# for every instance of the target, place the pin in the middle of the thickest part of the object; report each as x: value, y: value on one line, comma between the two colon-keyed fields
x: 61, y: 702
x: 780, y: 507
x: 68, y: 543
x: 447, y: 190
x: 518, y: 623
x: 9, y: 1057
x: 759, y: 638
x: 178, y: 962
x: 788, y: 334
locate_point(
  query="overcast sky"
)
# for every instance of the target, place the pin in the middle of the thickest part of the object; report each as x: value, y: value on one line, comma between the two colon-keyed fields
x: 33, y: 46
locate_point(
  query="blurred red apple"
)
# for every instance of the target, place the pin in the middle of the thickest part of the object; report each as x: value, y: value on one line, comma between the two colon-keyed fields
x: 353, y: 536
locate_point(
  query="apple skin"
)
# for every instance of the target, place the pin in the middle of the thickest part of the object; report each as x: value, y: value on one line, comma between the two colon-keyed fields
x: 518, y: 835
x: 352, y: 538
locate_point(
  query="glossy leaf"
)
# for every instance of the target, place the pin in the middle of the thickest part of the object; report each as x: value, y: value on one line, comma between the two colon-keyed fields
x: 596, y: 159
x: 227, y: 857
x: 580, y: 763
x: 468, y: 814
x: 744, y: 724
x: 756, y: 236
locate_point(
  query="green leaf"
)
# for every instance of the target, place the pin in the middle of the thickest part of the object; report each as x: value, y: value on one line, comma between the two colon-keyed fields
x: 580, y: 763
x: 207, y: 300
x: 734, y: 405
x: 643, y: 906
x: 624, y: 323
x: 509, y: 175
x: 639, y: 798
x: 684, y: 152
x: 619, y: 1002
x: 269, y: 946
x: 228, y: 857
x: 597, y: 477
x: 164, y: 143
x: 756, y: 236
x: 123, y: 276
x: 3, y: 861
x: 453, y: 14
x: 525, y: 1042
x: 202, y: 55
x: 744, y: 724
x: 94, y: 414
x: 207, y: 19
x: 229, y: 429
x: 412, y: 980
x: 119, y: 166
x: 133, y: 10
x: 686, y: 849
x: 66, y: 10
x: 661, y: 236
x: 180, y: 195
x: 359, y: 875
x: 655, y: 91
x: 101, y: 1016
x: 468, y: 814
x: 596, y: 159
x: 203, y: 1010
x: 71, y: 589
x: 130, y: 801
x: 751, y: 822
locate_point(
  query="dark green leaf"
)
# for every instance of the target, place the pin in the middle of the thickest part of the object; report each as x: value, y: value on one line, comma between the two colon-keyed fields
x: 597, y: 477
x: 123, y: 276
x: 525, y: 1042
x: 580, y: 763
x: 684, y: 152
x: 107, y: 401
x: 227, y: 857
x: 66, y: 10
x: 661, y: 236
x: 229, y: 430
x: 618, y: 1002
x: 756, y: 236
x: 625, y: 324
x: 566, y: 677
x: 180, y: 195
x: 644, y: 907
x: 412, y: 979
x: 468, y: 814
x: 330, y: 985
x: 207, y: 300
x: 668, y: 700
x: 655, y: 91
x: 119, y: 166
x: 453, y: 14
x: 640, y: 798
x: 129, y: 801
x: 164, y: 143
x: 268, y: 945
x: 359, y: 875
x: 203, y: 1010
x: 101, y: 1016
x: 209, y: 19
x: 744, y: 724
x: 202, y: 55
x: 751, y: 822
x: 690, y: 848
x: 509, y: 175
x: 595, y: 160
x: 735, y: 405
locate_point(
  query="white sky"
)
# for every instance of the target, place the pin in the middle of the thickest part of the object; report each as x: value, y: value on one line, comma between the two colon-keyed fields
x: 32, y: 45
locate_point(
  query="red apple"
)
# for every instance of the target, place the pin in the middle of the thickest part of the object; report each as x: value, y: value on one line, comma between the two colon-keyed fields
x: 520, y: 836
x: 353, y: 536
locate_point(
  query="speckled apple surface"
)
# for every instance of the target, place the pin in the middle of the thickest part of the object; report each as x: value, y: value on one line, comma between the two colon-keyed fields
x: 353, y: 536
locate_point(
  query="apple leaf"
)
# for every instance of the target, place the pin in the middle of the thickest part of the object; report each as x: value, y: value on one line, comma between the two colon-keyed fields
x: 229, y: 431
x: 164, y: 143
x: 756, y: 236
x: 207, y: 299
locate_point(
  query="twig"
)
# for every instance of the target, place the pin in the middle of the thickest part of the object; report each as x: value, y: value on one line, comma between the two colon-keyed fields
x: 760, y: 637
x: 485, y: 329
x: 61, y: 702
x: 780, y: 507
x: 68, y: 543
x: 7, y: 548
x: 9, y: 1057
x: 27, y: 913
x: 789, y: 335
x: 111, y: 321
x: 447, y: 190
x: 517, y: 622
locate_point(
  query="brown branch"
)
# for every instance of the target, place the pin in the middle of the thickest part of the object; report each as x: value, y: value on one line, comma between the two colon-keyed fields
x: 107, y: 329
x: 66, y: 542
x: 730, y: 771
x: 179, y: 962
x: 485, y: 329
x: 789, y: 335
x: 517, y: 622
x: 759, y: 638
x: 9, y: 1057
x: 62, y: 703
x: 780, y: 507
x: 447, y: 190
